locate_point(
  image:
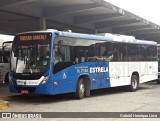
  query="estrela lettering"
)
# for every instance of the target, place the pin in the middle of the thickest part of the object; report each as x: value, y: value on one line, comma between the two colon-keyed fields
x: 98, y: 69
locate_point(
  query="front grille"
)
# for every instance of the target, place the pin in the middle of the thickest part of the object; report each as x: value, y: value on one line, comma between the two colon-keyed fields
x: 27, y: 77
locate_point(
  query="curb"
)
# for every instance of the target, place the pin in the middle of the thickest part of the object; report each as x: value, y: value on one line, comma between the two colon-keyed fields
x: 4, y: 104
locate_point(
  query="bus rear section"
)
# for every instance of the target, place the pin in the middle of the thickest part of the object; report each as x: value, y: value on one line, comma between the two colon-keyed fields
x: 138, y: 59
x: 5, y: 49
x: 158, y: 53
x: 4, y: 71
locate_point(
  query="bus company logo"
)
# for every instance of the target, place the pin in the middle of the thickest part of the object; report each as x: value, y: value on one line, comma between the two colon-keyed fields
x: 26, y: 71
x: 25, y: 82
x: 98, y: 69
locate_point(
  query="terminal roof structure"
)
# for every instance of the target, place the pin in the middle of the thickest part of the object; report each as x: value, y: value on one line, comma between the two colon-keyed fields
x: 84, y: 16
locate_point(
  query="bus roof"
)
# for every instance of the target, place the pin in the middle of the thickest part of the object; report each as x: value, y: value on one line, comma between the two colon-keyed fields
x: 106, y: 37
x: 42, y: 31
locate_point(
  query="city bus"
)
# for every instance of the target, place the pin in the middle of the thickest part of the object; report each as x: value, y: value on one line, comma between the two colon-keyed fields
x: 5, y: 49
x: 56, y: 62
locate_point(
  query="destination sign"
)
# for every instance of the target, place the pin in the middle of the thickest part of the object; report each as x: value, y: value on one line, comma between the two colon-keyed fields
x: 23, y: 47
x: 33, y: 37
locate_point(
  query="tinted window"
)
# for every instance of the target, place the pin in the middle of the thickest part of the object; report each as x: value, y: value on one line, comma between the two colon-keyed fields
x: 154, y: 53
x: 68, y: 51
x: 104, y: 51
x: 120, y: 52
x: 133, y: 52
x: 4, y: 57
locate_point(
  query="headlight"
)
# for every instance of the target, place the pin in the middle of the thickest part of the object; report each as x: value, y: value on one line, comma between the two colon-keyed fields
x: 45, y: 79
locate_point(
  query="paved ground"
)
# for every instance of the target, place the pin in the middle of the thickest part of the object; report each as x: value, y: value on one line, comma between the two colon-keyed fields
x: 146, y: 99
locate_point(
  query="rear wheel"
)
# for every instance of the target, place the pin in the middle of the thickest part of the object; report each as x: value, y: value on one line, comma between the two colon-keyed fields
x: 80, y: 91
x: 158, y: 81
x: 134, y: 83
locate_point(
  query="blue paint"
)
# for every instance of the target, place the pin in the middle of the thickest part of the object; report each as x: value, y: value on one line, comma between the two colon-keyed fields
x: 67, y: 78
x: 68, y: 84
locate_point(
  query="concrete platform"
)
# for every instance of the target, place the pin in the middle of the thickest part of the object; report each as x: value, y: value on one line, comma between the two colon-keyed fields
x: 145, y: 99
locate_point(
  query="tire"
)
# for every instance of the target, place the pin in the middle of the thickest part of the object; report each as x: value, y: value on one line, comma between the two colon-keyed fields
x: 80, y: 91
x: 158, y: 81
x: 134, y: 83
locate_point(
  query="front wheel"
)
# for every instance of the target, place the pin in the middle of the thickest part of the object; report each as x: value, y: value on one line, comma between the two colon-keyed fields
x: 80, y: 91
x: 134, y: 83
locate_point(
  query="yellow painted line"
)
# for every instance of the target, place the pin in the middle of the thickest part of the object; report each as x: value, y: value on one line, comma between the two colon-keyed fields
x: 3, y: 105
x: 10, y: 98
x: 6, y: 98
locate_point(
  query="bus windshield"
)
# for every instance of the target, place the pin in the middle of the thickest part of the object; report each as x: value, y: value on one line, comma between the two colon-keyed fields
x: 5, y: 52
x: 30, y: 57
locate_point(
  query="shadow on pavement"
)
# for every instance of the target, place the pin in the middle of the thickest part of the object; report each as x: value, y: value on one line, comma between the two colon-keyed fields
x: 42, y: 99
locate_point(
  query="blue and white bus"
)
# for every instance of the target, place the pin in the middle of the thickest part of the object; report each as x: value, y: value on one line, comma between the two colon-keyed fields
x: 55, y: 62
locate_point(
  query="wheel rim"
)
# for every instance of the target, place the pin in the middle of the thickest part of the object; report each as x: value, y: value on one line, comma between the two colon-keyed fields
x: 82, y: 88
x: 134, y: 83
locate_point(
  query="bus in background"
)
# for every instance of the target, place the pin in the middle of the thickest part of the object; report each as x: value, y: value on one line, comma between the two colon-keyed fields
x: 55, y: 62
x: 158, y: 52
x: 5, y: 49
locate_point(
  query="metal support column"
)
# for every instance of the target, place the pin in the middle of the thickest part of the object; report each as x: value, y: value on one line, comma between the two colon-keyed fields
x: 43, y: 23
x: 95, y: 31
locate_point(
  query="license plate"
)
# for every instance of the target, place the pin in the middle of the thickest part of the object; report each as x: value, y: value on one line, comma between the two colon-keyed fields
x: 24, y: 91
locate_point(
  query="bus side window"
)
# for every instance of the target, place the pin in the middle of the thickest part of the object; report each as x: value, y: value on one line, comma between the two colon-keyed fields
x: 120, y: 52
x: 5, y: 59
x: 115, y: 54
x: 0, y: 59
x: 91, y: 53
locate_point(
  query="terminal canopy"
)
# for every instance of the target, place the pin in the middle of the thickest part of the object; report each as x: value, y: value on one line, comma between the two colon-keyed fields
x: 84, y: 16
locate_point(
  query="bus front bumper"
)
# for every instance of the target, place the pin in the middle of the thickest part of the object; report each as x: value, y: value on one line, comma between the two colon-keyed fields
x: 40, y: 89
